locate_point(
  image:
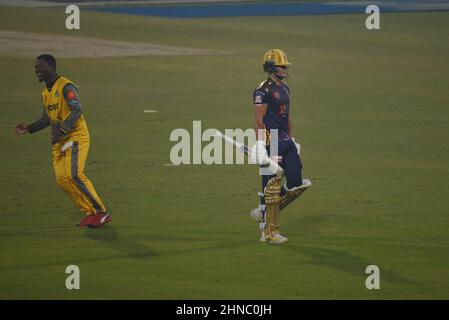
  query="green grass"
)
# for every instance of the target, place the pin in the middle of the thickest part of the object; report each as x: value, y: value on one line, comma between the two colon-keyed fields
x: 371, y: 112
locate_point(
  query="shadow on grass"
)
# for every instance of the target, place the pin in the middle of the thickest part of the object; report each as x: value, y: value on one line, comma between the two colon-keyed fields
x: 343, y: 261
x: 311, y: 224
x: 108, y: 237
x: 105, y: 237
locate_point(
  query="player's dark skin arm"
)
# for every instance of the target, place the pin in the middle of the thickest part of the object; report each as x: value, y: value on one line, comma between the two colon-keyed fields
x: 259, y: 113
x: 40, y: 124
x: 72, y: 98
x: 23, y: 128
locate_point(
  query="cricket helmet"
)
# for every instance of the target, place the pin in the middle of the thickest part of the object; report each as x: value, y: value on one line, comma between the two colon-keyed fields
x: 274, y: 58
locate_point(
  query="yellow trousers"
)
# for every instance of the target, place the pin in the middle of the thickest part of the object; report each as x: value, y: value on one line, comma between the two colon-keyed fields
x: 68, y: 162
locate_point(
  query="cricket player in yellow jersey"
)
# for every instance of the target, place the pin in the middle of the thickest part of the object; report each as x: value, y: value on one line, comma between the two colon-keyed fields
x: 70, y: 140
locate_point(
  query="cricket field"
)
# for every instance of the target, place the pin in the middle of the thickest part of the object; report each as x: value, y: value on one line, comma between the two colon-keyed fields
x: 370, y: 109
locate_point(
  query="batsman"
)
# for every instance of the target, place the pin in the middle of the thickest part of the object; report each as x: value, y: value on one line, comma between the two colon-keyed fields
x: 271, y: 101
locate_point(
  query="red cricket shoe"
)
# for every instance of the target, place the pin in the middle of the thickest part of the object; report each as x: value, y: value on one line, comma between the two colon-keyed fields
x: 87, y: 220
x: 99, y: 219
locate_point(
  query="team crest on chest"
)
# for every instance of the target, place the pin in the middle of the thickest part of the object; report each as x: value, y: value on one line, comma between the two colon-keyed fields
x: 56, y: 94
x: 276, y: 95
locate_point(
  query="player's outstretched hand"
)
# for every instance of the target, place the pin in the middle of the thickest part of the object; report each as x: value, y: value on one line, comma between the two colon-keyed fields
x: 20, y: 129
x: 259, y: 153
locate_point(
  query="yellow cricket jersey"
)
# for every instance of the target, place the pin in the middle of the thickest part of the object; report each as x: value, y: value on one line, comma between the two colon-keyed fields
x: 58, y: 110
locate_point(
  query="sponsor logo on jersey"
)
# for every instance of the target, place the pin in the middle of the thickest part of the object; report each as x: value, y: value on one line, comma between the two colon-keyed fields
x: 52, y: 107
